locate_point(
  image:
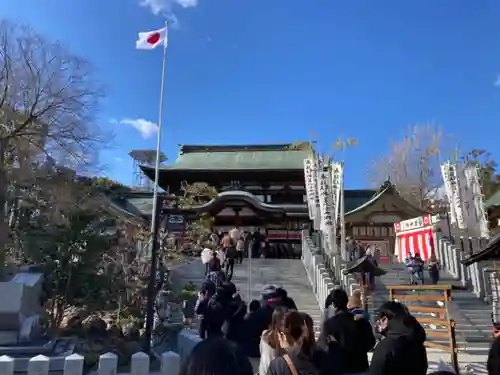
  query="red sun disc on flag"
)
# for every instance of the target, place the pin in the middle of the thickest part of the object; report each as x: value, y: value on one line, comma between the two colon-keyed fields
x: 426, y: 220
x: 398, y: 226
x: 153, y: 38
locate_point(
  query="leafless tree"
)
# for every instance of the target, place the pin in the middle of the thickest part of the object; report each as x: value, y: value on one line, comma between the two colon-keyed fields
x: 413, y: 164
x: 48, y: 106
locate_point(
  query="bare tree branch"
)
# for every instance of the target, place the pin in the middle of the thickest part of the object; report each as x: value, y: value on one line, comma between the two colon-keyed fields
x: 49, y: 101
x: 413, y: 164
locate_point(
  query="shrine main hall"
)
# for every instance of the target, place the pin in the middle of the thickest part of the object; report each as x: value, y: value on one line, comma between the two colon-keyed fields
x: 262, y: 187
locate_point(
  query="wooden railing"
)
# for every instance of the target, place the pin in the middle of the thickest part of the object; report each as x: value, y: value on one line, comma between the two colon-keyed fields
x: 429, y: 305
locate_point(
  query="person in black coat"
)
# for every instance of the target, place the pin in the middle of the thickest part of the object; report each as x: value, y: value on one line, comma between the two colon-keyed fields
x: 207, y: 291
x: 260, y: 320
x: 288, y: 302
x: 237, y: 310
x: 218, y: 356
x: 347, y: 339
x: 402, y: 349
x: 493, y: 363
x: 216, y: 313
x: 231, y: 256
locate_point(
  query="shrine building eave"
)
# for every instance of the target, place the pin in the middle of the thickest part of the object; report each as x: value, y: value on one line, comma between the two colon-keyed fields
x: 490, y: 252
x: 225, y: 198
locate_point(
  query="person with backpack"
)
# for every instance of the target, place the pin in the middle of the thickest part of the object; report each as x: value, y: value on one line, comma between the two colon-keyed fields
x: 217, y: 313
x: 215, y: 270
x: 346, y: 338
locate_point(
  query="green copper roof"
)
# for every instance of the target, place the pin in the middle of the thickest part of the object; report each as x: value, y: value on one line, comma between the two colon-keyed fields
x: 238, y: 157
x: 494, y: 200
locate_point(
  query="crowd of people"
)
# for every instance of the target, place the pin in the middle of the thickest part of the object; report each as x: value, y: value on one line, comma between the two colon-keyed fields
x: 279, y: 339
x: 415, y: 266
x: 258, y: 245
x: 274, y: 333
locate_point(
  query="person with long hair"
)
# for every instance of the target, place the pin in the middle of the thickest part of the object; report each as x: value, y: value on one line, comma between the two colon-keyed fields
x: 296, y: 353
x: 269, y: 343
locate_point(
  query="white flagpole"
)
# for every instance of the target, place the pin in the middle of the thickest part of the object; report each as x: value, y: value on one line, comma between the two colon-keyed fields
x: 158, y: 141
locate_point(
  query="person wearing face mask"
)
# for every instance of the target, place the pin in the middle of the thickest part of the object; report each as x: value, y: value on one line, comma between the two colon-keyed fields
x: 402, y: 350
x: 346, y: 338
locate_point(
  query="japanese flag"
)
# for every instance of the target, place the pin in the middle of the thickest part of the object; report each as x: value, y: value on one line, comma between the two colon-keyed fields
x: 152, y: 39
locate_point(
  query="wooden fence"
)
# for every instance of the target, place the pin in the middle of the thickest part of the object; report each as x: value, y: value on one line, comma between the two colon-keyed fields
x: 429, y: 305
x: 108, y: 364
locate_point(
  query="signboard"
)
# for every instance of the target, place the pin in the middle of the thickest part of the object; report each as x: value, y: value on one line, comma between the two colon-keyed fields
x: 281, y: 234
x: 176, y: 223
x: 411, y: 224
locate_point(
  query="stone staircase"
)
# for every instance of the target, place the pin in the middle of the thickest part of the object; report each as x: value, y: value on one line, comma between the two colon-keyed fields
x: 472, y: 315
x: 286, y: 273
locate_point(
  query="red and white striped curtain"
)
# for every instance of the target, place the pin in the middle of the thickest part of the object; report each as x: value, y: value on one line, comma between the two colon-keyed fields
x: 417, y: 242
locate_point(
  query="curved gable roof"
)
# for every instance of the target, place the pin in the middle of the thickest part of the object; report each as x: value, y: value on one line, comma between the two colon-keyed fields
x: 244, y: 196
x: 387, y: 188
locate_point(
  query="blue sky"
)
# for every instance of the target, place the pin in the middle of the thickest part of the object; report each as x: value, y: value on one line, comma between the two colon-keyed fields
x: 256, y: 71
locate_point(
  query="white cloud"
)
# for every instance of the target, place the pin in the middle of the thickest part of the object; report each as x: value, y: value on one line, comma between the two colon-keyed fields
x: 119, y: 160
x: 497, y: 81
x: 145, y: 127
x: 165, y: 7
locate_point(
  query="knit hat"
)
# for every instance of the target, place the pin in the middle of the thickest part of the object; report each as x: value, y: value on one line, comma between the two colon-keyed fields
x: 270, y: 292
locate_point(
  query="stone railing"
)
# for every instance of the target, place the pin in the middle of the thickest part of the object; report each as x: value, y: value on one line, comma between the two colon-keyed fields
x: 108, y: 364
x: 170, y: 362
x: 317, y: 272
x: 475, y: 277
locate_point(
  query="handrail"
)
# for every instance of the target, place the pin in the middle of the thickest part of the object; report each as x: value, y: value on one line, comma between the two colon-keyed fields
x: 434, y: 317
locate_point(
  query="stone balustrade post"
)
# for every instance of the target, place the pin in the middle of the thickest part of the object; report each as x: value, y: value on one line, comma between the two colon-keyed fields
x: 38, y: 365
x: 139, y: 364
x: 73, y: 364
x: 108, y: 364
x: 6, y: 365
x: 170, y: 363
